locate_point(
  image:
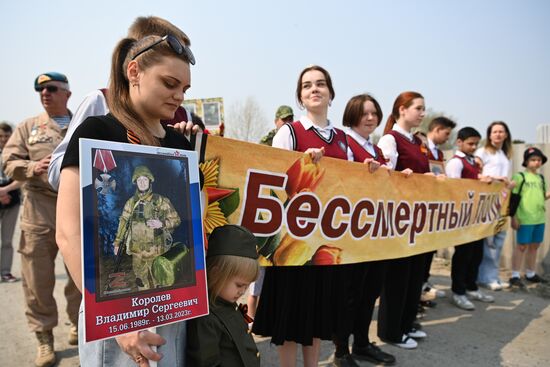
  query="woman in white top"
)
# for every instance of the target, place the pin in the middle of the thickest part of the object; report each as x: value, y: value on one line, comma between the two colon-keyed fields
x: 496, y: 163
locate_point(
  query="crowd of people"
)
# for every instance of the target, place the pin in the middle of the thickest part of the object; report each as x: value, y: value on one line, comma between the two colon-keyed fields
x: 150, y: 73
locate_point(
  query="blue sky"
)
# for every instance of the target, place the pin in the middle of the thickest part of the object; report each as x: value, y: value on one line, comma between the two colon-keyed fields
x: 477, y: 61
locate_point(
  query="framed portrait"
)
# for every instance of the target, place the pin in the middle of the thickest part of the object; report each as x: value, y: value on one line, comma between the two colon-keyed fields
x: 437, y: 167
x: 210, y: 110
x: 142, y: 237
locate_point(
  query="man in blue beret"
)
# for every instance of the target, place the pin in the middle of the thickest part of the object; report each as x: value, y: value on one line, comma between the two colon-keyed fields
x: 26, y: 157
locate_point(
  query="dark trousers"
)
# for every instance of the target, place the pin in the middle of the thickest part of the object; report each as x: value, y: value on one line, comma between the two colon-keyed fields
x: 400, y: 296
x: 465, y: 265
x: 428, y: 265
x: 364, y: 284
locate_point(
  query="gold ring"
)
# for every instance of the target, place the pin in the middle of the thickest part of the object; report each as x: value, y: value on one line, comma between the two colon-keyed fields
x: 138, y: 359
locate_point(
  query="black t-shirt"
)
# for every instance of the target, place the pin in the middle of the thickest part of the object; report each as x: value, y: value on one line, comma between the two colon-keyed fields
x: 110, y: 129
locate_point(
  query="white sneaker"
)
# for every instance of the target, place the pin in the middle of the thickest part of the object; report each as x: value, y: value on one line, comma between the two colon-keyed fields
x: 494, y: 286
x: 417, y: 334
x: 462, y: 302
x: 480, y: 296
x: 407, y: 342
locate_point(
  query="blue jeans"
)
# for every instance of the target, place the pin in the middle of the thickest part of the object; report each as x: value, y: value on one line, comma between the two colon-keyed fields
x: 108, y: 353
x: 489, y: 267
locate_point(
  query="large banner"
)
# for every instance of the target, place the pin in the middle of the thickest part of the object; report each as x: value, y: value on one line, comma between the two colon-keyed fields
x: 337, y: 212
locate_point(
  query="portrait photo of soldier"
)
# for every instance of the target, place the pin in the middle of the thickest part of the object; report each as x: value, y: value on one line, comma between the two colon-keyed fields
x: 145, y: 227
x: 144, y: 236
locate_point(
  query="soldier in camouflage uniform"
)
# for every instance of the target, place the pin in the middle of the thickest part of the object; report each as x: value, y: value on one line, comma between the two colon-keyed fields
x: 283, y: 115
x: 146, y: 227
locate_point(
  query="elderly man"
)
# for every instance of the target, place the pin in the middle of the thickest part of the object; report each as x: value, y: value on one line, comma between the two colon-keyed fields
x: 26, y: 157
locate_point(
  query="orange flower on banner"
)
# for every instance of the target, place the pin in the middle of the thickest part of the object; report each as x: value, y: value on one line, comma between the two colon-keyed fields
x: 303, y: 175
x: 292, y: 252
x: 327, y: 255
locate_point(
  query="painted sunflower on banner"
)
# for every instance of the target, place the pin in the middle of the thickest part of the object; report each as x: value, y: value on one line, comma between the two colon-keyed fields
x: 220, y: 202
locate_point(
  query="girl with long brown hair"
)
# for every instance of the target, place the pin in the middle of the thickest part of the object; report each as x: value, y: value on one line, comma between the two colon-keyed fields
x: 495, y: 158
x: 149, y: 78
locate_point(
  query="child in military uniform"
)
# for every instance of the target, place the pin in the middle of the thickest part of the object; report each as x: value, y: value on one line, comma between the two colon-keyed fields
x: 222, y: 338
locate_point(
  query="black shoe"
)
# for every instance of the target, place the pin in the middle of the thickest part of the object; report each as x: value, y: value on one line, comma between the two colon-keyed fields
x: 374, y: 354
x: 516, y: 282
x: 429, y: 304
x: 536, y: 279
x: 416, y: 325
x: 344, y: 361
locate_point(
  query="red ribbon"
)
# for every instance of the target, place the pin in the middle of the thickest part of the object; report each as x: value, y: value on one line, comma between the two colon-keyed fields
x: 104, y: 160
x: 244, y: 310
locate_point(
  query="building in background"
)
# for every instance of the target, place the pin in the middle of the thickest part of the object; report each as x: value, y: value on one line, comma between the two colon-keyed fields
x: 543, y: 134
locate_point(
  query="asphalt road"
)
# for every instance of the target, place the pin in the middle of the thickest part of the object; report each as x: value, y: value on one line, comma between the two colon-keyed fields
x: 513, y: 331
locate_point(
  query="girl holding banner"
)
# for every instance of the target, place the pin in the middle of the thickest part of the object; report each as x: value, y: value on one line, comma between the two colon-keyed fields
x: 296, y: 302
x: 403, y: 284
x: 149, y: 77
x: 362, y: 284
x: 496, y: 163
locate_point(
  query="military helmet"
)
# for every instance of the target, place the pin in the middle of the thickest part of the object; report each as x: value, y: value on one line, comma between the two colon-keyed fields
x: 142, y: 171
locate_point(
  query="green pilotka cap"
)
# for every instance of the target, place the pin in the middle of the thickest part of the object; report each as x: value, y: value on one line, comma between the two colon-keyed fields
x: 284, y: 112
x: 233, y: 240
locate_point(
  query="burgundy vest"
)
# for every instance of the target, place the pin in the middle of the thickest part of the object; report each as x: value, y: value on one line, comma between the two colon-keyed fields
x: 360, y: 153
x: 413, y: 155
x: 336, y: 146
x: 468, y: 170
x: 439, y: 155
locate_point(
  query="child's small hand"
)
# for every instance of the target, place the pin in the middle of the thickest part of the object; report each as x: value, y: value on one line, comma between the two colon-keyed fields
x: 547, y: 196
x: 407, y: 172
x: 509, y: 183
x: 485, y: 179
x: 316, y: 154
x: 515, y: 223
x: 373, y: 164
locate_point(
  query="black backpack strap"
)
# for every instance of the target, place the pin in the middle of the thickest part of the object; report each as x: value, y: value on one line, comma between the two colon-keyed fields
x: 522, y: 182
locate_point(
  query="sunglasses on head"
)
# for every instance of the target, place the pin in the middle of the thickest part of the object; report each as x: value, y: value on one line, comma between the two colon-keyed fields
x: 175, y: 45
x: 49, y: 88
